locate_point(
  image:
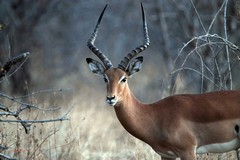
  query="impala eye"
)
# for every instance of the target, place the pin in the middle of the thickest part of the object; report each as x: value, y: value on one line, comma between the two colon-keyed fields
x: 123, y: 80
x: 105, y: 78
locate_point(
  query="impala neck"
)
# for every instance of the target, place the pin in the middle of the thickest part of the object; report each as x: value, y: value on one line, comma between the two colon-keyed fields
x: 132, y: 115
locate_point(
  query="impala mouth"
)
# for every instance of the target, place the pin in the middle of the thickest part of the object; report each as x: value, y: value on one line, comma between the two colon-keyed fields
x: 111, y: 102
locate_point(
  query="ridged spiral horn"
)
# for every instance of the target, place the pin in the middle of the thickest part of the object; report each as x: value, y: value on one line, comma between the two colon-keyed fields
x: 107, y: 63
x: 124, y: 63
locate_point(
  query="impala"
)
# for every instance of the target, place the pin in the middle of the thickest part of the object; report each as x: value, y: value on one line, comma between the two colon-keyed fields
x: 177, y: 126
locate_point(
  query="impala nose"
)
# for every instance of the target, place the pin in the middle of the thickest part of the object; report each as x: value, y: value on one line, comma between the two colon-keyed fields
x: 111, y: 100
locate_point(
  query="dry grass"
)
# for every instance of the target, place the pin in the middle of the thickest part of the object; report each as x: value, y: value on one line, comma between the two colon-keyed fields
x: 93, y: 133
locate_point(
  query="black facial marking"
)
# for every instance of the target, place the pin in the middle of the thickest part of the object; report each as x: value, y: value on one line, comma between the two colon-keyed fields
x: 237, y: 129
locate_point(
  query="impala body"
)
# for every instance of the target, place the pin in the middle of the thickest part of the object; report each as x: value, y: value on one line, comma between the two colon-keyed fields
x: 176, y: 126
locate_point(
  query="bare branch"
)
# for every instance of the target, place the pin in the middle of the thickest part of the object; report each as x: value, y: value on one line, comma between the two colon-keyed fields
x: 26, y: 105
x: 227, y: 51
x: 204, y: 37
x: 199, y: 18
x: 210, y: 40
x: 196, y: 71
x: 23, y: 106
x: 44, y: 140
x: 215, y: 17
x: 12, y: 62
x: 41, y: 92
x: 6, y: 157
x: 63, y: 118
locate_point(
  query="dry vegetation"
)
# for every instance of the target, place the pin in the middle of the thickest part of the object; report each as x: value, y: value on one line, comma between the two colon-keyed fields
x: 199, y: 53
x: 93, y: 132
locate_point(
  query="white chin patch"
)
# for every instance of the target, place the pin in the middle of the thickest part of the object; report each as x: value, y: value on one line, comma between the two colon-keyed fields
x: 111, y: 103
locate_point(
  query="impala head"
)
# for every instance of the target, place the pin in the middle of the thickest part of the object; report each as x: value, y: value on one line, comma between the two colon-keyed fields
x: 116, y: 77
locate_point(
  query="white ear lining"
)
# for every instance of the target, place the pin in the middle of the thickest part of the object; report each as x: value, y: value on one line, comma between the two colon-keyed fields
x: 95, y: 66
x: 135, y: 66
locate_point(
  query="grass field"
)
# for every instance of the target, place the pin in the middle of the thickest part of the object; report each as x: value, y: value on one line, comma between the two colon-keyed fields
x: 92, y: 133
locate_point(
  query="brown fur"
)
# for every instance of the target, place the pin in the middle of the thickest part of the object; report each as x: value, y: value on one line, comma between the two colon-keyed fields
x: 179, y: 123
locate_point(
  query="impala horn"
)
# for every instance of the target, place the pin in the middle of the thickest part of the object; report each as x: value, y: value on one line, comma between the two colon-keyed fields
x: 124, y: 63
x: 107, y: 63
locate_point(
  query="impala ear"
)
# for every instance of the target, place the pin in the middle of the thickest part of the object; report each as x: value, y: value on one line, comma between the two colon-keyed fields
x: 134, y: 66
x: 95, y: 66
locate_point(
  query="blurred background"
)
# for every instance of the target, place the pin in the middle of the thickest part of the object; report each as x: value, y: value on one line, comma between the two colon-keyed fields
x: 56, y: 32
x: 194, y: 48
